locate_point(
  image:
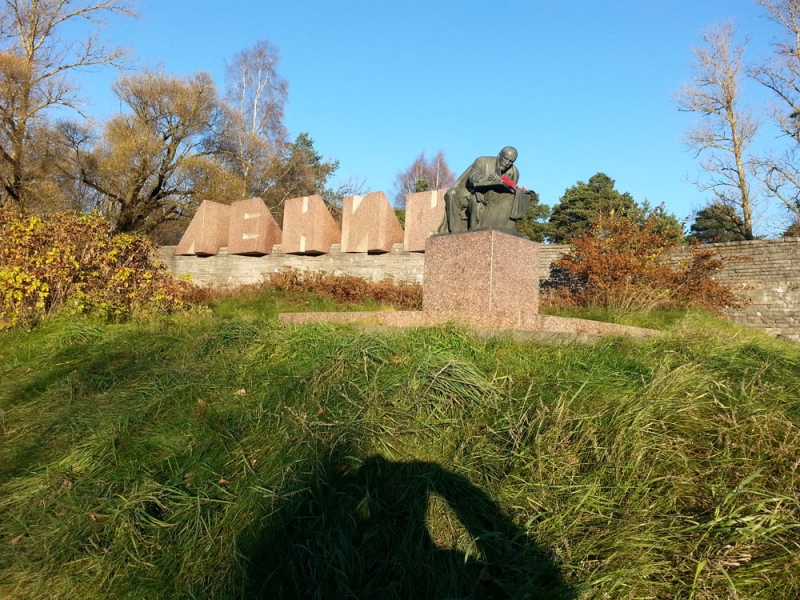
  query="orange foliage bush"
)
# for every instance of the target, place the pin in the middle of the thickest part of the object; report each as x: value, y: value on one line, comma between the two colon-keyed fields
x: 345, y: 289
x: 619, y: 263
x: 348, y: 289
x: 73, y: 263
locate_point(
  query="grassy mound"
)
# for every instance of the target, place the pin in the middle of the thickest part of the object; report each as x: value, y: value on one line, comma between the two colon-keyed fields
x: 230, y: 457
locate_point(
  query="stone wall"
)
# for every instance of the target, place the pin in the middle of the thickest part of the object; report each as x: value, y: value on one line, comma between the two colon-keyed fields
x: 769, y: 278
x: 231, y: 269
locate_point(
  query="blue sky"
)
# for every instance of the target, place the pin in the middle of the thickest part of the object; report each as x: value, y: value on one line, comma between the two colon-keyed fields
x: 578, y: 86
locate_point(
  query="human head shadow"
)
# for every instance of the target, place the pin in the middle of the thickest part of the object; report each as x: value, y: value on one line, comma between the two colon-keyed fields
x: 363, y: 533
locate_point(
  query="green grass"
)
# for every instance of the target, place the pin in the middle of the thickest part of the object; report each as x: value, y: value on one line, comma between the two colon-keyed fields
x: 427, y: 464
x: 264, y: 303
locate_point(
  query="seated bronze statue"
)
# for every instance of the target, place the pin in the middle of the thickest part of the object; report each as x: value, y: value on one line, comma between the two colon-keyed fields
x: 487, y: 196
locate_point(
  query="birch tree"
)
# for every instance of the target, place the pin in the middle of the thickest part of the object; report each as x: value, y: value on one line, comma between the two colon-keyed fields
x: 255, y: 138
x: 421, y: 175
x: 725, y: 128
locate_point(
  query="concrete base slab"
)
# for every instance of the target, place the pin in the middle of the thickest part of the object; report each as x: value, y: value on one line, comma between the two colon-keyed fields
x: 542, y: 324
x: 548, y: 337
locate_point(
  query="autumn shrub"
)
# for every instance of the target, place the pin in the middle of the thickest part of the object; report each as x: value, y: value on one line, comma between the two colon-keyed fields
x: 73, y: 263
x: 343, y: 289
x: 348, y: 289
x: 618, y: 263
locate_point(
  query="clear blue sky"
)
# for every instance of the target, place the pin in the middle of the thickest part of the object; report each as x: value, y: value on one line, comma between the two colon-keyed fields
x: 578, y: 86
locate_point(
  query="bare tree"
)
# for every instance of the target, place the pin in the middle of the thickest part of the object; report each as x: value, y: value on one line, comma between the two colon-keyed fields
x: 254, y: 137
x: 725, y: 129
x: 422, y: 175
x: 257, y: 91
x: 781, y: 75
x: 34, y: 69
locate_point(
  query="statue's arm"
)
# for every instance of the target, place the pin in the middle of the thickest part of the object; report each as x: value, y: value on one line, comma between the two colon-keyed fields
x: 481, y: 180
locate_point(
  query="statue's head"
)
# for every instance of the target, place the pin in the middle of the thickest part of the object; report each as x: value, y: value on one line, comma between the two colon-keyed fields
x: 506, y: 158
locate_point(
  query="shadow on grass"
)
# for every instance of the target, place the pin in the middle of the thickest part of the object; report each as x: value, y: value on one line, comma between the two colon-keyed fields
x: 367, y: 533
x: 64, y: 380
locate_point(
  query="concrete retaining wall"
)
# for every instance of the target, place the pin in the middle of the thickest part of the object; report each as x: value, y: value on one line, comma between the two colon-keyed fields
x: 230, y: 269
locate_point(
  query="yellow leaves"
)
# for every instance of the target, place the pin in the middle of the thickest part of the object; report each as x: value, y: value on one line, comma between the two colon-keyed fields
x: 73, y: 262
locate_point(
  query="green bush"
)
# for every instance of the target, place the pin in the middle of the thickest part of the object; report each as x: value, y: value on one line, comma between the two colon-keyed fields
x: 73, y: 263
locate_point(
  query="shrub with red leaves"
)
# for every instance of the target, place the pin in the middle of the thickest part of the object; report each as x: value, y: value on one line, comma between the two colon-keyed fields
x: 348, y: 289
x: 618, y: 263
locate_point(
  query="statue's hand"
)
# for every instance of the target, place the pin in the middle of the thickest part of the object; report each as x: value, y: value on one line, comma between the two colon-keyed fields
x: 493, y: 177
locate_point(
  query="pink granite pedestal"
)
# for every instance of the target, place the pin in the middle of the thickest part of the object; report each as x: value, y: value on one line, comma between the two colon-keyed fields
x: 481, y: 272
x: 487, y: 281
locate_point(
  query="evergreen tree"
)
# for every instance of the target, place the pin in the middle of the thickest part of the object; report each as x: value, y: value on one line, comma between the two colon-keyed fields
x: 793, y: 230
x: 535, y: 224
x: 582, y: 203
x: 664, y: 222
x: 718, y: 222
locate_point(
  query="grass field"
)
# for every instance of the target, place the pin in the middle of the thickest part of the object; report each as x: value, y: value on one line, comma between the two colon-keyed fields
x: 221, y: 455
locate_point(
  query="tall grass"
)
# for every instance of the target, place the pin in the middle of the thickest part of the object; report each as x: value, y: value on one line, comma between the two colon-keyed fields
x: 230, y: 457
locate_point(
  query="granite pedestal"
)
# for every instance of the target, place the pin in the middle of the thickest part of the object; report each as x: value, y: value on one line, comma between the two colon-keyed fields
x: 487, y: 281
x: 481, y: 272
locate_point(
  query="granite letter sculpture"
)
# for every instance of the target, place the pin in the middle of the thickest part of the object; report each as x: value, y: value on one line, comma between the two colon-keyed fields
x: 424, y: 213
x: 253, y: 230
x: 207, y: 232
x: 369, y: 224
x: 308, y: 227
x: 486, y: 196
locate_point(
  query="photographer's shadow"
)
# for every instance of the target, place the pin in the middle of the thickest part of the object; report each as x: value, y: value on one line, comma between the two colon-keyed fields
x: 363, y: 533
